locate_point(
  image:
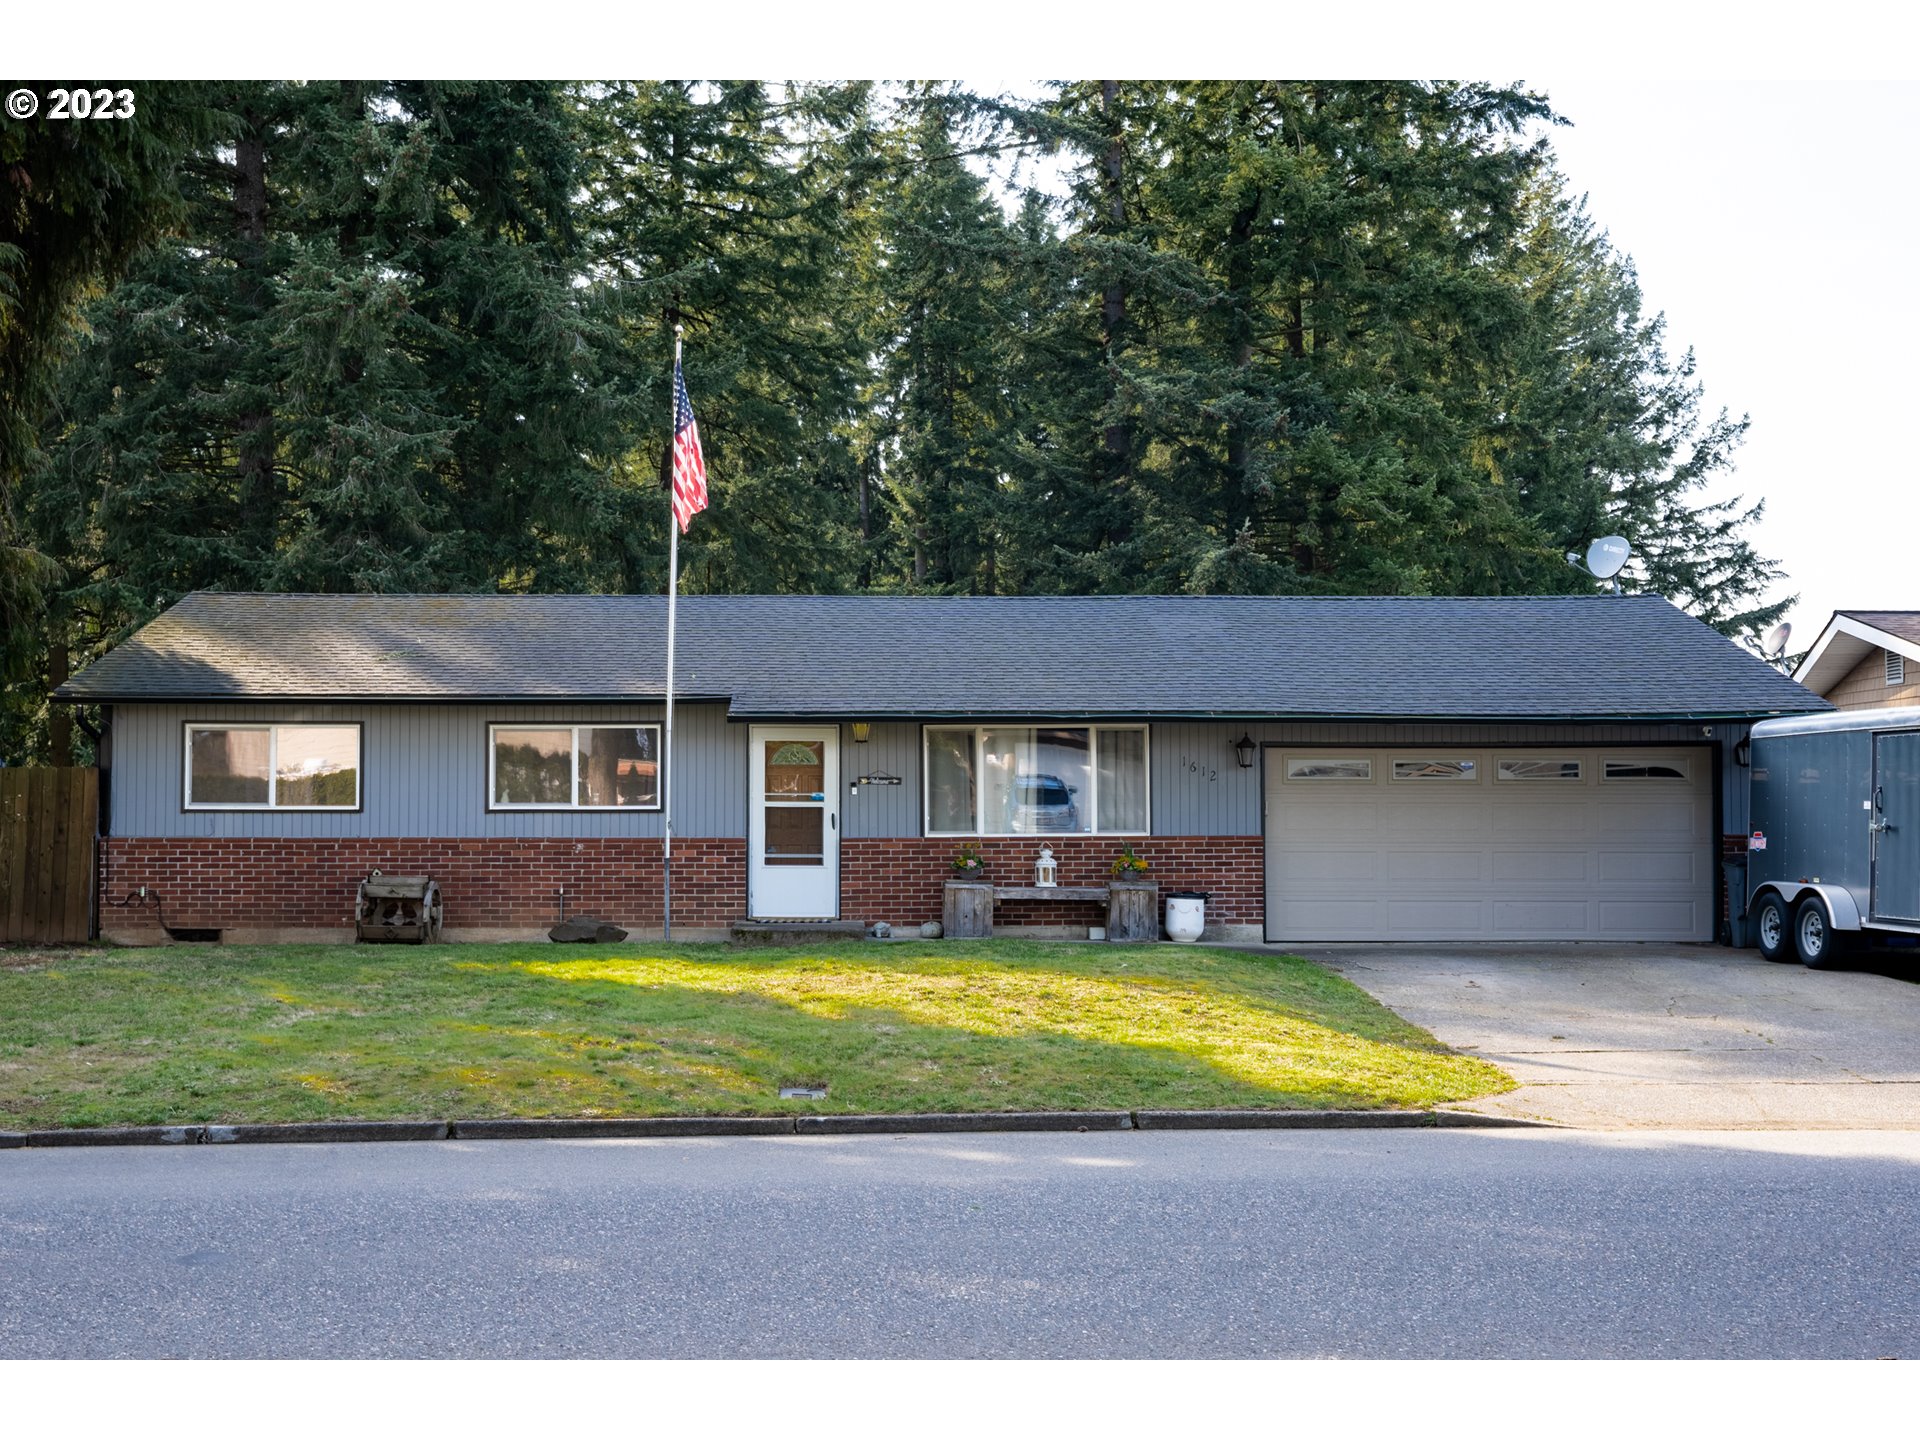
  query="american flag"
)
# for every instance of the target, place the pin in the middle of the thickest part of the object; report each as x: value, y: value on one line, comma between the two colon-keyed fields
x: 689, y: 465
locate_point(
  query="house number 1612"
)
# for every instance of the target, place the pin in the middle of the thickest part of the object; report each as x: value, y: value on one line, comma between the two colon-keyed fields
x: 1200, y: 770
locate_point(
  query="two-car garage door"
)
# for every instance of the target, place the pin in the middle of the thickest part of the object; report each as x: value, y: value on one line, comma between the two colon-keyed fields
x: 1489, y: 844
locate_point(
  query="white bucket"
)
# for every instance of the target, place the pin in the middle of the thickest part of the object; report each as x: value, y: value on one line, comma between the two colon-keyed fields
x: 1186, y: 917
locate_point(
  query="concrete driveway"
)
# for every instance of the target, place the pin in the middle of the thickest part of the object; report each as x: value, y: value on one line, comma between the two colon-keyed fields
x: 1677, y: 1036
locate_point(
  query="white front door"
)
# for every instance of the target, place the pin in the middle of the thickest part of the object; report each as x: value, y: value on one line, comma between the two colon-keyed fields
x: 793, y: 832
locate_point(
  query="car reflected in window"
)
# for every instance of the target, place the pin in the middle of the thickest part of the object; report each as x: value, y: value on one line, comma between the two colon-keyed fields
x: 1043, y: 805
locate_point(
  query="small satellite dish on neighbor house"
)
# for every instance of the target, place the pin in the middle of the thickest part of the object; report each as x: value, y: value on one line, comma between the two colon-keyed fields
x: 1606, y: 555
x: 1775, y: 645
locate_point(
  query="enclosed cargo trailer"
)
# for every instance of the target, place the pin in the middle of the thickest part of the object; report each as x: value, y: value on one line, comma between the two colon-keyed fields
x: 1835, y: 851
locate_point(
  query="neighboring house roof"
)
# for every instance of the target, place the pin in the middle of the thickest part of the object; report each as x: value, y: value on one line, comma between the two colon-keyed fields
x: 793, y: 656
x: 1850, y: 637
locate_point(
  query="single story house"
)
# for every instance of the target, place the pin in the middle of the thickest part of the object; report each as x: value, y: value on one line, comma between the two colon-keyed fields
x: 1865, y: 659
x: 1558, y: 768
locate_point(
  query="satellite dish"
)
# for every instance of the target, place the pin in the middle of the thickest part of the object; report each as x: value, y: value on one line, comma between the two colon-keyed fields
x: 1606, y: 555
x: 1775, y: 644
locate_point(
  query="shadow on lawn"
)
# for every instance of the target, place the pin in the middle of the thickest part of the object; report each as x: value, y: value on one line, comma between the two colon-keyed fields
x: 970, y: 1037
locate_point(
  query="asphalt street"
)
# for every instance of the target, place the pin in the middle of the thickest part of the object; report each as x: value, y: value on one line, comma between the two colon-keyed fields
x: 1384, y: 1244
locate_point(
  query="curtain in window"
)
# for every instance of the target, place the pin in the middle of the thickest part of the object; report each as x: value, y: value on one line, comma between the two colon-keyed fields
x: 950, y: 790
x: 1123, y: 780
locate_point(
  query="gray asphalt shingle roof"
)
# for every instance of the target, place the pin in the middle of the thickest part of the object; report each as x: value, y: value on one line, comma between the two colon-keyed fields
x: 852, y: 656
x: 1904, y: 623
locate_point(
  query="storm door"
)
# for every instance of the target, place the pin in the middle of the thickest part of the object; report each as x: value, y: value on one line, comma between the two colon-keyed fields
x: 793, y: 832
x: 1896, y: 827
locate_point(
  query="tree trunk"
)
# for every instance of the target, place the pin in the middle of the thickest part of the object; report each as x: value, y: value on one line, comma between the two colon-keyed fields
x: 866, y: 519
x: 1240, y: 341
x: 257, y: 477
x: 59, y: 717
x: 1117, y: 438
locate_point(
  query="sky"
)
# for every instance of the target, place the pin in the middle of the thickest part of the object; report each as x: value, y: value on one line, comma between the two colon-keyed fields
x: 1777, y: 235
x: 1753, y: 160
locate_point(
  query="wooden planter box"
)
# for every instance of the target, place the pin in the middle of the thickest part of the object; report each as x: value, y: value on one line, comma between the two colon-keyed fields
x: 1133, y: 910
x: 966, y: 909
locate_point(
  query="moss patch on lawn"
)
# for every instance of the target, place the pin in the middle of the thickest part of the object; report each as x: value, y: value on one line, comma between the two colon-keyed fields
x: 193, y: 1034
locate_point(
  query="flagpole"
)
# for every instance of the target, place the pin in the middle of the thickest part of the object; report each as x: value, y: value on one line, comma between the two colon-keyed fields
x: 666, y: 744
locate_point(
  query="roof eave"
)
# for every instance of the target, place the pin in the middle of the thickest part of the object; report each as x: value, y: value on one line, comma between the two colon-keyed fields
x: 631, y: 697
x: 1832, y: 658
x: 1300, y: 717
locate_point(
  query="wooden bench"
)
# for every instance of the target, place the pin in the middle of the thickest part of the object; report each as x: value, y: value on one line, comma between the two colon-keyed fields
x: 1133, y: 910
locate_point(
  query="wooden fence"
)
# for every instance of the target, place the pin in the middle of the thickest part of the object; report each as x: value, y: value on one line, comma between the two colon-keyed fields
x: 49, y: 820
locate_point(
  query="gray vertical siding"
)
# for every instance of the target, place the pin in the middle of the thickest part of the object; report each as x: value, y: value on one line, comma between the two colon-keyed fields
x: 426, y: 769
x: 879, y: 811
x: 425, y: 773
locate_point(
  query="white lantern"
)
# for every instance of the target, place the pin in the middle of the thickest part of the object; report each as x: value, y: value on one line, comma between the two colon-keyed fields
x: 1046, y: 874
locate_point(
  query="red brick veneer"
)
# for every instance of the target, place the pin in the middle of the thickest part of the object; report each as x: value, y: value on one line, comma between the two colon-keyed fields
x: 506, y: 883
x: 899, y: 879
x: 494, y: 883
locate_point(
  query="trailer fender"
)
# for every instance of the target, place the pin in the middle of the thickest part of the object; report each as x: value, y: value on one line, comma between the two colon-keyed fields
x: 1841, y: 909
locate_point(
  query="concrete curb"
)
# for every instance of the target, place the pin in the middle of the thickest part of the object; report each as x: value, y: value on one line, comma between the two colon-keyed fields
x: 669, y: 1126
x: 1469, y: 1120
x: 1327, y: 1120
x: 118, y: 1135
x: 963, y: 1124
x: 324, y: 1131
x: 638, y: 1127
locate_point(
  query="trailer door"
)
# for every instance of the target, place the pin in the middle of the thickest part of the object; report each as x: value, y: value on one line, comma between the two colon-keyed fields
x: 1896, y: 827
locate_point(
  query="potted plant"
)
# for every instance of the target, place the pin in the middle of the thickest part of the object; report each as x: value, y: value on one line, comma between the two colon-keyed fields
x: 1129, y: 866
x: 969, y: 863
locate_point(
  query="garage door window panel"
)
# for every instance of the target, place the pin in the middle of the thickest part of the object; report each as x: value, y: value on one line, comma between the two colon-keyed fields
x: 1529, y: 768
x: 1329, y: 768
x: 1422, y: 767
x: 1644, y: 770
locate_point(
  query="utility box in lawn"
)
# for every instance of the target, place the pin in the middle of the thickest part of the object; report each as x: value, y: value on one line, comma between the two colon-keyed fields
x: 1835, y: 851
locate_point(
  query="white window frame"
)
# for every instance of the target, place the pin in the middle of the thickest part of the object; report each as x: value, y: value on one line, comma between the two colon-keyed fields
x: 1469, y: 776
x: 273, y: 729
x: 1288, y: 777
x: 1093, y: 729
x: 573, y: 765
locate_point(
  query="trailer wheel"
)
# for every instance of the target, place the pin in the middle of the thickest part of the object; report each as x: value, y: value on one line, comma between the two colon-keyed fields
x: 1772, y: 930
x: 1814, y: 938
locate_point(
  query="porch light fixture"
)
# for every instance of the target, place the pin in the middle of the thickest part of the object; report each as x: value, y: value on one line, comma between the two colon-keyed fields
x: 862, y: 730
x: 1243, y: 749
x: 1046, y: 873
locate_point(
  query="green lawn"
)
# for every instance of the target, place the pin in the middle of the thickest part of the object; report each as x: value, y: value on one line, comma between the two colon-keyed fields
x: 193, y: 1034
